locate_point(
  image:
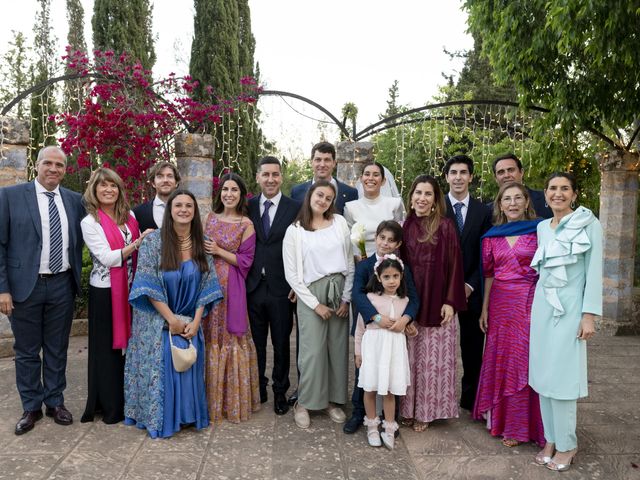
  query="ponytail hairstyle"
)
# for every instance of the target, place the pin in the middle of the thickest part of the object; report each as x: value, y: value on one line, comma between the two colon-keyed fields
x: 375, y: 285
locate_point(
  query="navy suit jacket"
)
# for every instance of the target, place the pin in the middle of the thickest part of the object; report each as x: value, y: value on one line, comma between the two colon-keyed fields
x: 364, y: 271
x: 477, y: 222
x: 21, y: 238
x: 144, y: 216
x: 269, y: 248
x: 345, y: 194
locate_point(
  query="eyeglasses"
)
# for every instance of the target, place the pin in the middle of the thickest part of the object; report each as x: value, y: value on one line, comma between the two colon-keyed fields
x: 518, y: 200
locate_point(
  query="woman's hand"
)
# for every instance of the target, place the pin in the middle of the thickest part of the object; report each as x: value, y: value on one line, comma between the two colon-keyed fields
x: 177, y: 327
x: 211, y: 247
x: 399, y: 324
x: 446, y: 312
x: 357, y: 359
x: 587, y: 326
x: 191, y: 329
x: 323, y: 311
x: 484, y: 316
x: 343, y: 310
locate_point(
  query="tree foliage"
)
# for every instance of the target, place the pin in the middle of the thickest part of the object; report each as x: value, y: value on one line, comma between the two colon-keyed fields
x: 578, y: 58
x: 16, y: 76
x: 73, y: 92
x: 124, y: 26
x: 222, y: 55
x: 43, y: 104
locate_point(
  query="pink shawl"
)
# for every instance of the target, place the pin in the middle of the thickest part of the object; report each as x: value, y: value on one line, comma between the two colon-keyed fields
x: 236, y: 289
x: 121, y: 312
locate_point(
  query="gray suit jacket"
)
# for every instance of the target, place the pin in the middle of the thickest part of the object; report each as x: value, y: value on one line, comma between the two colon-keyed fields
x: 21, y: 238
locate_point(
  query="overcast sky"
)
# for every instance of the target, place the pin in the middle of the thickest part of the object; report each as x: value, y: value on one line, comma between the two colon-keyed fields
x: 332, y: 52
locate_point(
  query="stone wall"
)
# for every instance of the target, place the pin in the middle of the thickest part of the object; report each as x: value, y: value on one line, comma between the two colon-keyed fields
x: 194, y: 157
x: 14, y: 139
x: 351, y: 157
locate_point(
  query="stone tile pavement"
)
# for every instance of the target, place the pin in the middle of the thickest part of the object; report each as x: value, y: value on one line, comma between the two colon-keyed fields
x: 272, y: 447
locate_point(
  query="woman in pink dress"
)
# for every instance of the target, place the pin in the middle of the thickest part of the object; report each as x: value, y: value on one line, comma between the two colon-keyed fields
x: 231, y: 363
x: 432, y: 249
x: 505, y: 400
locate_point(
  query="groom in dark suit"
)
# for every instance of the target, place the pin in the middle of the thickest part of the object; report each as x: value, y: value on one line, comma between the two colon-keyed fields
x: 40, y: 264
x: 473, y: 219
x: 323, y: 163
x: 268, y: 293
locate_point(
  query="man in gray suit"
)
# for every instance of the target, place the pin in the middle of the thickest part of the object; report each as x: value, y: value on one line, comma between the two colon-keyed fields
x: 40, y: 264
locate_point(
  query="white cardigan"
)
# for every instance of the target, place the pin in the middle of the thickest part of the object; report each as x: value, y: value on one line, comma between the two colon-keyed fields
x: 293, y: 268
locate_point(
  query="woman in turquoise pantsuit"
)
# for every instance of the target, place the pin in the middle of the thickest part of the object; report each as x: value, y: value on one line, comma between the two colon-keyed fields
x: 567, y: 299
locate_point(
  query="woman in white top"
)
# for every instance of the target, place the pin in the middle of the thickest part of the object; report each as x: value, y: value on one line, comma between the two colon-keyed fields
x: 318, y: 264
x: 111, y: 233
x: 373, y: 207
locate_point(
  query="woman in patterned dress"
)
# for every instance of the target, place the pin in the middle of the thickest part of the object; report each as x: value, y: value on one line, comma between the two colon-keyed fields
x: 231, y: 366
x: 432, y: 249
x: 505, y: 399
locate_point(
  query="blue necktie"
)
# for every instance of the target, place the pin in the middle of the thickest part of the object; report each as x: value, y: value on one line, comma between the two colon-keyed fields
x: 266, y: 221
x: 55, y: 235
x: 459, y: 220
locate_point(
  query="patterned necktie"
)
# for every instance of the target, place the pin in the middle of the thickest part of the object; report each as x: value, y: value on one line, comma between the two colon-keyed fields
x: 459, y: 220
x: 266, y: 221
x: 55, y: 235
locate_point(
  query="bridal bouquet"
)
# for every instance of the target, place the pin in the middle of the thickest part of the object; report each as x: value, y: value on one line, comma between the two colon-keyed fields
x: 357, y: 238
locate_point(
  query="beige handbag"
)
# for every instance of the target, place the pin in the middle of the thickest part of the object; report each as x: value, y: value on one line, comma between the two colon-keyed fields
x: 182, y: 358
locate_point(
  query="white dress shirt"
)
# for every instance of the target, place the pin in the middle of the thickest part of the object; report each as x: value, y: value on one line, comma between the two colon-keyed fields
x: 43, y: 208
x: 158, y: 211
x: 272, y: 211
x: 465, y: 208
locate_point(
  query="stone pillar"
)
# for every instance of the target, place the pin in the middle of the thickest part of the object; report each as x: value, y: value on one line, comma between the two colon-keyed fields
x: 618, y: 214
x: 14, y: 144
x: 351, y: 157
x: 194, y: 156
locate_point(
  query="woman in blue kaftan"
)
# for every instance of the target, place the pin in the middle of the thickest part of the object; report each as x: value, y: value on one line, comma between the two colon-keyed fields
x: 174, y: 278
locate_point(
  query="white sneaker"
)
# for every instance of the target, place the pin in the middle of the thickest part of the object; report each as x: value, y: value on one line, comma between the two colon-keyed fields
x: 301, y: 416
x: 336, y: 414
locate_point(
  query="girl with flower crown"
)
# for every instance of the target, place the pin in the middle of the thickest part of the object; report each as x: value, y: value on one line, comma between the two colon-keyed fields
x: 385, y: 362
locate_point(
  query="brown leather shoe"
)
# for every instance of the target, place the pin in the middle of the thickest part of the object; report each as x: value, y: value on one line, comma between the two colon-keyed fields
x: 27, y: 421
x: 60, y: 415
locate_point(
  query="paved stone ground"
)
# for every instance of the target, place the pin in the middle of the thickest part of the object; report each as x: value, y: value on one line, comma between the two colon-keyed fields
x: 269, y: 446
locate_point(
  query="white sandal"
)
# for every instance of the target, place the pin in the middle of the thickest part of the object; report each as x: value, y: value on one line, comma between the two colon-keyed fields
x: 388, y: 436
x: 373, y: 435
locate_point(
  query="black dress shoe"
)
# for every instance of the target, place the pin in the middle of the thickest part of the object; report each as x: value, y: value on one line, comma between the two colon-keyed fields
x: 263, y: 397
x: 280, y: 405
x: 293, y: 398
x: 353, y: 424
x: 27, y: 421
x: 60, y: 415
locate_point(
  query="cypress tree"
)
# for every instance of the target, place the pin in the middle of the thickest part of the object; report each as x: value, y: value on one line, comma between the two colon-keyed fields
x: 124, y: 26
x: 75, y: 42
x: 16, y: 78
x: 43, y: 130
x: 221, y: 54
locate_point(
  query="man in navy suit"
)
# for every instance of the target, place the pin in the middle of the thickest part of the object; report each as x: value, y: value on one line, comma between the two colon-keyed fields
x: 268, y: 293
x: 473, y: 219
x: 508, y: 168
x: 323, y: 163
x: 40, y: 265
x: 164, y: 178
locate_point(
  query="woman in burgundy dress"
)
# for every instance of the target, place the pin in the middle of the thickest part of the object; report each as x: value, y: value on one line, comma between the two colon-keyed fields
x: 505, y: 400
x: 432, y: 250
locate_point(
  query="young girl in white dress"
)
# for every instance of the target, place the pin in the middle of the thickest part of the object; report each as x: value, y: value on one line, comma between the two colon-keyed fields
x: 385, y: 362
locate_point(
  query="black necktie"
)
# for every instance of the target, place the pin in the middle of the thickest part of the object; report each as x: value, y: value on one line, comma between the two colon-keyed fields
x: 266, y: 221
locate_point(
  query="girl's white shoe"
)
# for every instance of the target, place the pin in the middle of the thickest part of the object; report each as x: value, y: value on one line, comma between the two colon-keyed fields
x: 373, y: 435
x: 388, y: 436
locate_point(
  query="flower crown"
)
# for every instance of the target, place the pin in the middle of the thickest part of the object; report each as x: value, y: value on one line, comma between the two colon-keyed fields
x: 389, y: 256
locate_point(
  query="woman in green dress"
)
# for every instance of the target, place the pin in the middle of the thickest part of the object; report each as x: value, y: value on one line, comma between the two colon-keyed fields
x: 567, y: 299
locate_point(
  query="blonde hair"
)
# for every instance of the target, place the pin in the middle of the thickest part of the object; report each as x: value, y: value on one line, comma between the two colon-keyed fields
x: 91, y: 200
x: 499, y: 218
